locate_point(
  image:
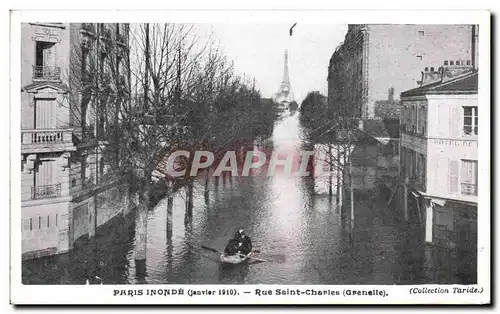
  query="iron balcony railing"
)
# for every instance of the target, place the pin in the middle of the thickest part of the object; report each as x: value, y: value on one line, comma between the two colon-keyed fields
x: 43, y: 191
x: 50, y: 73
x: 46, y: 136
x: 469, y: 189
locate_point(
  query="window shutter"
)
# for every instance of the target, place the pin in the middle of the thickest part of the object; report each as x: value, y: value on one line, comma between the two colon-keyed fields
x: 453, y: 176
x: 455, y: 121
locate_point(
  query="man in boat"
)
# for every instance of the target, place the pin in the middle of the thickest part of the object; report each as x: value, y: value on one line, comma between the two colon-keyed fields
x: 244, y: 242
x: 232, y: 247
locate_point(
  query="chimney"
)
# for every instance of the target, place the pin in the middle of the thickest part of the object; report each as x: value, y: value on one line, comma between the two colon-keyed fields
x: 391, y: 94
x: 431, y: 75
x: 474, y: 46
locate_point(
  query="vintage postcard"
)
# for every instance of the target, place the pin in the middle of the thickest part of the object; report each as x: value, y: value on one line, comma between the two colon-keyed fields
x: 250, y: 157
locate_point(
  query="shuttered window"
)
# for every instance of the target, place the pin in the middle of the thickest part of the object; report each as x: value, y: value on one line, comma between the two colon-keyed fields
x: 413, y: 118
x: 453, y: 176
x: 45, y: 114
x: 423, y: 120
x: 424, y: 173
x: 45, y: 173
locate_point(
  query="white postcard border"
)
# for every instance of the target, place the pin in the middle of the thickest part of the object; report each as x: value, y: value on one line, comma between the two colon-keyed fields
x: 103, y: 294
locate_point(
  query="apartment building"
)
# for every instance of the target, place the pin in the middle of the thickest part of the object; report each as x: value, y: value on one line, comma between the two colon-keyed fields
x: 439, y: 167
x: 63, y: 126
x: 374, y: 58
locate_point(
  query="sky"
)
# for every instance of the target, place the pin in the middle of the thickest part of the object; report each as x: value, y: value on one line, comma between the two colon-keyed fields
x: 258, y: 52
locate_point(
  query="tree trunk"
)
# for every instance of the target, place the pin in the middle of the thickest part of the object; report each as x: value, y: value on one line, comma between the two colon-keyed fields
x: 189, y: 198
x: 207, y: 185
x: 337, y: 196
x: 351, y: 185
x: 170, y: 205
x: 344, y: 206
x: 141, y: 225
x: 330, y: 161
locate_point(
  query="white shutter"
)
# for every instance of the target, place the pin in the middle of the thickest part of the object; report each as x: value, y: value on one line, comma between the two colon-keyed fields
x: 455, y: 121
x: 453, y: 176
x: 45, y: 174
x: 45, y: 114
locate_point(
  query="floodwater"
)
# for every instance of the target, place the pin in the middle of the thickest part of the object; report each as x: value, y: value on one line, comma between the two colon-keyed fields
x: 301, y: 237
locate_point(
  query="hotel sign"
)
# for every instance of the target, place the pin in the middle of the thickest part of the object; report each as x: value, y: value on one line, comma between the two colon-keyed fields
x: 454, y: 143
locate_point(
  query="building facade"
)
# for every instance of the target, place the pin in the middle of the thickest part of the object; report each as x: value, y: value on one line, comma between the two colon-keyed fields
x: 376, y: 58
x: 65, y: 122
x: 439, y: 168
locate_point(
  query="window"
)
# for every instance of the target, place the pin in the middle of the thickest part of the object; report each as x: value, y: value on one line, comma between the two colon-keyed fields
x: 469, y: 177
x: 421, y: 33
x: 423, y: 177
x: 468, y: 62
x: 451, y: 62
x: 418, y: 169
x: 45, y: 116
x: 470, y: 121
x: 446, y: 62
x: 422, y: 120
x: 413, y: 118
x: 420, y: 175
x: 419, y: 58
x: 44, y: 54
x: 458, y: 62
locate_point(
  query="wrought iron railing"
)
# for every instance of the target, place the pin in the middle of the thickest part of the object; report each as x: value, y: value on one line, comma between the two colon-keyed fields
x: 43, y: 191
x: 469, y: 189
x: 52, y: 73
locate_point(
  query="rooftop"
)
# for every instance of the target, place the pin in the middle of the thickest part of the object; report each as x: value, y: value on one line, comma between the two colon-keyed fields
x: 464, y: 84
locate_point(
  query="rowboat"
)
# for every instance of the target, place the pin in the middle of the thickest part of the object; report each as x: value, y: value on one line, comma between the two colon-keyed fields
x: 234, y: 259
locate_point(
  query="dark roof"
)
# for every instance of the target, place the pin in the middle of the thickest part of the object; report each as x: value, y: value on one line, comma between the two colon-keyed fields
x: 464, y: 84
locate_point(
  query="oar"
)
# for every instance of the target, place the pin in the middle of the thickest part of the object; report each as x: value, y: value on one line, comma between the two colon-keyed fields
x: 210, y: 249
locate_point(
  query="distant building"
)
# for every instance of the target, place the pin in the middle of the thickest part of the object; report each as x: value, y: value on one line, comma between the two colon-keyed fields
x: 439, y: 167
x: 64, y: 176
x: 374, y: 58
x: 285, y: 95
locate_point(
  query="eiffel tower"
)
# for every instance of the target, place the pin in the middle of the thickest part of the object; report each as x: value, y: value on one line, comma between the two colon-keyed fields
x: 285, y: 95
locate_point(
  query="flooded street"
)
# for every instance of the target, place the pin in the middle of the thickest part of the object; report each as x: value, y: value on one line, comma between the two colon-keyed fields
x: 301, y: 236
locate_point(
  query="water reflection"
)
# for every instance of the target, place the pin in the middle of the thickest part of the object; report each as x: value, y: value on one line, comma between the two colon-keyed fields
x: 299, y: 233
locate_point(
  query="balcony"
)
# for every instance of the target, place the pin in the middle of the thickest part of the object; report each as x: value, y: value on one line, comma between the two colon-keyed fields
x: 46, y: 73
x: 50, y: 140
x: 469, y: 189
x: 44, y: 191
